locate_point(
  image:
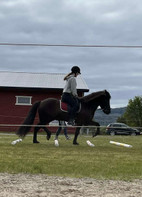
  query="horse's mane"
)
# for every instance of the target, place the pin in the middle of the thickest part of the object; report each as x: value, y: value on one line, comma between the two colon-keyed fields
x: 94, y: 95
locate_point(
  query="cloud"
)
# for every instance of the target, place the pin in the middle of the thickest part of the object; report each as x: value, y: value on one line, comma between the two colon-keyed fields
x: 76, y: 22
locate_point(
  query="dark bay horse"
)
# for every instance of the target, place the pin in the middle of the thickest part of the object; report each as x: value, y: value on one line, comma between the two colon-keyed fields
x: 49, y: 110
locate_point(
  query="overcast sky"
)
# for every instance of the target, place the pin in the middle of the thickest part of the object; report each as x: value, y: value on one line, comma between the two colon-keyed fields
x: 83, y: 22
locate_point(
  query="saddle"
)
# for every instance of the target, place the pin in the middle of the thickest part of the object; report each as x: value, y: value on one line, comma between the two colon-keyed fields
x: 64, y: 107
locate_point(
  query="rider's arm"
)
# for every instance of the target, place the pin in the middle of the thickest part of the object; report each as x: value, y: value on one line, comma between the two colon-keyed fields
x: 73, y: 86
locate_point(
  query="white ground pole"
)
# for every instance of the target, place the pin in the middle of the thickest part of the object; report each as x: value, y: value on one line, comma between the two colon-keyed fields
x: 120, y: 144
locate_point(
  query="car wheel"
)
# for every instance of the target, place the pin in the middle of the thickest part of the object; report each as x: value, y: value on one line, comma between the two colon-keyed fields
x: 112, y: 133
x: 133, y: 134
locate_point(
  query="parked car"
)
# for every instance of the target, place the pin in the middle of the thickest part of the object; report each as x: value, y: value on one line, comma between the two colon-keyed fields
x: 121, y: 129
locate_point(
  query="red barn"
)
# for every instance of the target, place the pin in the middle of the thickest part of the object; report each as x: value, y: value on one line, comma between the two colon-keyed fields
x: 19, y: 90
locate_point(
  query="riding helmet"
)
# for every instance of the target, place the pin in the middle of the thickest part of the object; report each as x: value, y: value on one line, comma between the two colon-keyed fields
x: 75, y: 69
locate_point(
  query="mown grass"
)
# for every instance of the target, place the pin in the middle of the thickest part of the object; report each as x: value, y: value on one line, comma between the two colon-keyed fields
x: 104, y: 161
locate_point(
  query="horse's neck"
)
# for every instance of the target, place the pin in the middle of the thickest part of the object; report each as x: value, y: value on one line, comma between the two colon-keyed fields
x: 92, y: 101
x: 92, y: 97
x: 93, y: 104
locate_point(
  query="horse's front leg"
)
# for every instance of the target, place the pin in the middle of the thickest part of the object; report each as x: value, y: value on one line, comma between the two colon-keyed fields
x: 76, y: 135
x: 93, y: 123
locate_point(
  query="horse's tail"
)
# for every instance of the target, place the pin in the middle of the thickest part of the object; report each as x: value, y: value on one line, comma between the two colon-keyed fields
x: 23, y: 130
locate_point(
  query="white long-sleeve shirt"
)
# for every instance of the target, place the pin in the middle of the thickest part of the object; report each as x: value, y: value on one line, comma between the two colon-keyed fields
x: 71, y: 85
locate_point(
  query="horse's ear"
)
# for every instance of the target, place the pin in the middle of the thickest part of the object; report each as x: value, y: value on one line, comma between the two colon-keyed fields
x: 105, y: 91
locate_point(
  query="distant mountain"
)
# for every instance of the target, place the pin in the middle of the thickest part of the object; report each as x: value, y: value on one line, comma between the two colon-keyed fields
x: 104, y: 119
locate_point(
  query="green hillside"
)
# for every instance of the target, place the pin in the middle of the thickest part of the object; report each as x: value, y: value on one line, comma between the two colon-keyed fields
x: 104, y: 119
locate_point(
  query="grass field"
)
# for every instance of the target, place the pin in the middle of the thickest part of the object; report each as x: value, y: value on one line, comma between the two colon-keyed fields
x: 104, y: 161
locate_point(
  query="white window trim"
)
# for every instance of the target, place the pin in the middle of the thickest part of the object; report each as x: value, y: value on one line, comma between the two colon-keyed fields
x: 30, y: 97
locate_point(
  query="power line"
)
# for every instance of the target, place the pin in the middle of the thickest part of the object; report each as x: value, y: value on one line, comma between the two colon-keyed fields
x: 68, y: 45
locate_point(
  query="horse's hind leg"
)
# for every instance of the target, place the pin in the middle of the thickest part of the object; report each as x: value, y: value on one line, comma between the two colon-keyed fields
x: 47, y: 132
x: 58, y: 133
x: 36, y: 129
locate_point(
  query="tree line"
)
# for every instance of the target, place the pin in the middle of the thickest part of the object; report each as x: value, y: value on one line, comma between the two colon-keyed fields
x: 133, y: 113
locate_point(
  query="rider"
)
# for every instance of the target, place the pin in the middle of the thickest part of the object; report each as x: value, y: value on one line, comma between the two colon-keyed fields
x: 69, y: 95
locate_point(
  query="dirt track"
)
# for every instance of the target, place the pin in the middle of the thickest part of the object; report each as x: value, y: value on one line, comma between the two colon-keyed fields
x: 25, y: 185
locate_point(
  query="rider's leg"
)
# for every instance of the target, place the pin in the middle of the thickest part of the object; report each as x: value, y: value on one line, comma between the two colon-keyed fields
x: 72, y: 106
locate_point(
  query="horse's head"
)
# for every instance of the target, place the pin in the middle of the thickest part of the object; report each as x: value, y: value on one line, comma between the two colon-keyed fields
x: 101, y: 98
x: 105, y: 102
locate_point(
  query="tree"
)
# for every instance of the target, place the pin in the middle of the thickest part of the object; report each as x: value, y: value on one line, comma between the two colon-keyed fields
x: 122, y: 119
x: 133, y: 113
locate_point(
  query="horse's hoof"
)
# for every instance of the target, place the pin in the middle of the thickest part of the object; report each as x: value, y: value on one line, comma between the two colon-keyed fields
x: 48, y: 137
x: 75, y: 143
x: 36, y: 142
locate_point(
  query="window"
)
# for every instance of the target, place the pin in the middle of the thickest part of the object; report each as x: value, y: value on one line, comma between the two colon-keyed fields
x: 23, y: 100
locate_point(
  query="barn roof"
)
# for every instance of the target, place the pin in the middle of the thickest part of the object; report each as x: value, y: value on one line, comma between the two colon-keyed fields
x: 37, y: 80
